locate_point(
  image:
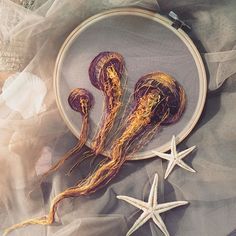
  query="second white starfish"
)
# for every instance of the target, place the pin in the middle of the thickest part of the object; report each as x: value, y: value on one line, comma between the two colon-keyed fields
x: 175, y: 158
x: 151, y: 209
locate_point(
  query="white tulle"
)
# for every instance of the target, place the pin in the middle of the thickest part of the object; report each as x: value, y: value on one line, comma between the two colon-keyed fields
x: 33, y: 134
x: 24, y: 92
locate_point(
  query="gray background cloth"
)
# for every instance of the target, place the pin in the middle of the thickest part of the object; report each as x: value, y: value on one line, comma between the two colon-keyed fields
x: 29, y: 146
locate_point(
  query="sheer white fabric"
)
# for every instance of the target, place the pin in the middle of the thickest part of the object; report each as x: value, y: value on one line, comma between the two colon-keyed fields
x: 30, y: 38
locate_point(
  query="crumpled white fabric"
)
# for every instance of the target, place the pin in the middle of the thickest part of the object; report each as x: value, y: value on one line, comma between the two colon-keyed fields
x: 24, y: 92
x: 25, y: 143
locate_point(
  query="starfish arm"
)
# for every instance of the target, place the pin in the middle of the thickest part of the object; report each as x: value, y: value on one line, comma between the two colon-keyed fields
x: 168, y: 206
x: 185, y: 166
x: 170, y: 167
x: 173, y: 146
x: 145, y: 216
x: 135, y: 202
x: 152, y: 199
x: 162, y: 155
x: 159, y: 222
x: 184, y: 153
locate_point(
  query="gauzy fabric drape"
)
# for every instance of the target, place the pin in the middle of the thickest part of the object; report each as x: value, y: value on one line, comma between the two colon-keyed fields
x: 33, y: 135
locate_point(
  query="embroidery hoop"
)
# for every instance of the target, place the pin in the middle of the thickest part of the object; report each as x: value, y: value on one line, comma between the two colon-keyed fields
x: 63, y: 61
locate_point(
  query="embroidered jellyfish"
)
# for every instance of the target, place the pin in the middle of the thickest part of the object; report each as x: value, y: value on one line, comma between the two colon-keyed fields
x: 80, y: 100
x: 158, y: 100
x: 107, y: 73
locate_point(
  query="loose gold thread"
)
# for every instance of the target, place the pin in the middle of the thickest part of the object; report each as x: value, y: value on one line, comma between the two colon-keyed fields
x: 113, y: 92
x: 137, y: 120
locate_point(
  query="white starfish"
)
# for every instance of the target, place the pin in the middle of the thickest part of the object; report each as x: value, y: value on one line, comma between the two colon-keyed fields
x: 151, y: 209
x: 175, y: 158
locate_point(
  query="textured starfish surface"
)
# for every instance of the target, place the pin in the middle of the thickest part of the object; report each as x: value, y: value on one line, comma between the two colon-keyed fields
x: 151, y: 209
x: 175, y: 158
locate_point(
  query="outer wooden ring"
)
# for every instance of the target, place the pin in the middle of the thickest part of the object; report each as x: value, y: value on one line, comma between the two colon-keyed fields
x: 165, y: 22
